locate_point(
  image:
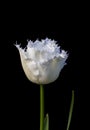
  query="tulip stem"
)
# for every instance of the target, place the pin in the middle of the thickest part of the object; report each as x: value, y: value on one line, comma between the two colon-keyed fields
x: 41, y: 107
x: 71, y: 110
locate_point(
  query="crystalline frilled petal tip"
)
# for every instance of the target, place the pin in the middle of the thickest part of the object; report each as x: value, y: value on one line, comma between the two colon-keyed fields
x: 63, y: 54
x: 17, y: 45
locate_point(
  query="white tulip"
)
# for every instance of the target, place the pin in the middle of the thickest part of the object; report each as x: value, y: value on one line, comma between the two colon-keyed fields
x: 42, y: 60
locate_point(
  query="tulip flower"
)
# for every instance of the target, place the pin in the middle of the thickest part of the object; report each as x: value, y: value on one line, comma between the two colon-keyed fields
x: 42, y: 61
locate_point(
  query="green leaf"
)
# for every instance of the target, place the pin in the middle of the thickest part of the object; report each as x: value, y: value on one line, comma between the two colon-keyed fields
x: 46, y: 122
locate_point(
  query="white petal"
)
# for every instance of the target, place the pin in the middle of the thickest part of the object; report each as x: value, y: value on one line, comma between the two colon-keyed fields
x: 49, y: 71
x: 30, y: 69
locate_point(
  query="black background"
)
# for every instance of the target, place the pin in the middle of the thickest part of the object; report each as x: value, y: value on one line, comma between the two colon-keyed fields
x: 20, y: 97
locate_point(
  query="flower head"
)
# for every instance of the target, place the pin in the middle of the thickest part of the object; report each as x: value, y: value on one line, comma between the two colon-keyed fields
x: 42, y: 60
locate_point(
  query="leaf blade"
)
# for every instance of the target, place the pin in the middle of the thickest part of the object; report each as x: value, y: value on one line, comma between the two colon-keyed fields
x: 46, y: 122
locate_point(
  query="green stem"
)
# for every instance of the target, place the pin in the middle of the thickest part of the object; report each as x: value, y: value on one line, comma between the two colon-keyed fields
x: 41, y: 107
x: 70, y: 111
